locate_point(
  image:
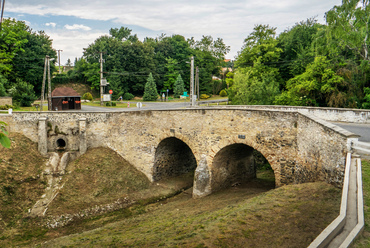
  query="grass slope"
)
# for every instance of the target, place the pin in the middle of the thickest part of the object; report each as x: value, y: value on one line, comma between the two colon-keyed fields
x: 98, y: 177
x: 21, y: 185
x: 290, y: 216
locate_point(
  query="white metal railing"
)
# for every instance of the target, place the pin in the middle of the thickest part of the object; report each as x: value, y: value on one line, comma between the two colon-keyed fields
x: 9, y: 111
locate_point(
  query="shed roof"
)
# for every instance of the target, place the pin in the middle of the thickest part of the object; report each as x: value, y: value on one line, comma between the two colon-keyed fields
x: 64, y: 91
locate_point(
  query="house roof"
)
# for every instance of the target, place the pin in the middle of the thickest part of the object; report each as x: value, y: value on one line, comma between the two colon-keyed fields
x: 64, y: 91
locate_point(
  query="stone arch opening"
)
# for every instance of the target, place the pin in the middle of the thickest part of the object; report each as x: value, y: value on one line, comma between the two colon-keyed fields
x: 237, y: 164
x: 173, y: 158
x: 61, y: 143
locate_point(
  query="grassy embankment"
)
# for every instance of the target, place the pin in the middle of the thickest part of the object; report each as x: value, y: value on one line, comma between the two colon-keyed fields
x: 364, y: 240
x: 248, y: 215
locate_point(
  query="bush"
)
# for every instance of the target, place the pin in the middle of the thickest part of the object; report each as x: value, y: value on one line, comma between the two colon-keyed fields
x: 223, y: 93
x: 87, y: 96
x: 128, y: 96
x: 60, y: 79
x: 6, y: 107
x: 110, y: 104
x: 23, y: 93
x: 204, y: 96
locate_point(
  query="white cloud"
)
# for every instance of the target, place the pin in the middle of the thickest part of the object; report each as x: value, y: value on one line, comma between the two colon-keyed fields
x: 77, y: 27
x: 232, y: 20
x: 51, y: 24
x: 72, y: 43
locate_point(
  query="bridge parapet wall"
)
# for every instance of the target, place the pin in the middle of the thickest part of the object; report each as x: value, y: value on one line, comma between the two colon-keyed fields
x: 328, y: 114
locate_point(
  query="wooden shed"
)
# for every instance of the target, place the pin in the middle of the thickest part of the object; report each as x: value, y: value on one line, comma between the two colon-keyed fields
x: 65, y: 98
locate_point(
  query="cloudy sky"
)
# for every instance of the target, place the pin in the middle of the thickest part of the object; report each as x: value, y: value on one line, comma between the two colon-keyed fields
x: 74, y: 24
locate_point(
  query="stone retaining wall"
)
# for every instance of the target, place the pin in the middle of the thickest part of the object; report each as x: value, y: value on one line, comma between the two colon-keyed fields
x: 6, y: 100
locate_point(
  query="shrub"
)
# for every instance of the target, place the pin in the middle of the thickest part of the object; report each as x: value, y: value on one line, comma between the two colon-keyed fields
x: 60, y: 79
x: 204, y: 96
x: 223, y: 93
x: 6, y: 107
x: 23, y: 93
x: 87, y: 96
x: 128, y: 96
x: 110, y: 104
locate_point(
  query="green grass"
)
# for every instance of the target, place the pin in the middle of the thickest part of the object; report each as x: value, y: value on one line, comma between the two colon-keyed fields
x: 364, y: 240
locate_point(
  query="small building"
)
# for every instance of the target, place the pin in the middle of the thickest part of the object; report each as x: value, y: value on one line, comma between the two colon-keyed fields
x: 65, y: 98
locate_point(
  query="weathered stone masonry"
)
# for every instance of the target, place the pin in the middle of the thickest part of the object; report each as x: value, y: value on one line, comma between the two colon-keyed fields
x: 298, y: 147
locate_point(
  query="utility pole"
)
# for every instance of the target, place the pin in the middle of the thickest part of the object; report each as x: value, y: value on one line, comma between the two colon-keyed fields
x: 49, y: 86
x: 59, y: 60
x: 197, y: 81
x: 192, y: 82
x: 43, y: 82
x: 101, y: 78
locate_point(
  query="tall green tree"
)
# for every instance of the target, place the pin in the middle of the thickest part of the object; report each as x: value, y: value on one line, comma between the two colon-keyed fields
x: 349, y: 24
x: 319, y: 85
x: 13, y: 36
x: 171, y: 74
x: 256, y: 81
x: 150, y: 92
x: 179, y: 87
x: 296, y: 45
x: 254, y: 86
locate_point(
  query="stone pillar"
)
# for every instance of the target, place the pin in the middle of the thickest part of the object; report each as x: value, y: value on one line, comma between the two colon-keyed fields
x: 202, y: 179
x: 43, y: 142
x: 83, y: 144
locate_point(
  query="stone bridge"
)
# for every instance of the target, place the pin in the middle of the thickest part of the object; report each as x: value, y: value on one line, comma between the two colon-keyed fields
x: 217, y: 143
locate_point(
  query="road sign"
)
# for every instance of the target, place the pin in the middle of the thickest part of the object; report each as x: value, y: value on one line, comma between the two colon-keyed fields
x: 111, y: 92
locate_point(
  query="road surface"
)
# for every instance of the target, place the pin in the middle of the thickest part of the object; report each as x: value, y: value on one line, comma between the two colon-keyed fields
x: 360, y: 129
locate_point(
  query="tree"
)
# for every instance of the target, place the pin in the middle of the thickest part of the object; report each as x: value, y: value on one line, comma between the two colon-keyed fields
x: 179, y: 87
x: 254, y: 86
x: 3, y: 82
x: 296, y: 45
x: 366, y: 103
x: 150, y: 91
x: 69, y: 62
x: 23, y: 93
x: 13, y: 36
x: 260, y: 46
x: 171, y: 73
x: 319, y: 85
x: 349, y: 24
x: 256, y: 81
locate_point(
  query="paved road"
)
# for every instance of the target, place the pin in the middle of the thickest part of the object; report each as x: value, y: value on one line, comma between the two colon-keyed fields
x: 146, y: 106
x: 360, y: 129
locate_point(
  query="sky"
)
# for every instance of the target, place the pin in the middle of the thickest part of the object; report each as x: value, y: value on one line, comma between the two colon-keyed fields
x: 73, y: 25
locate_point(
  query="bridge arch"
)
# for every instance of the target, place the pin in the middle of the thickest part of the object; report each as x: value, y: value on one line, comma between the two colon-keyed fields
x: 232, y: 164
x: 173, y: 157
